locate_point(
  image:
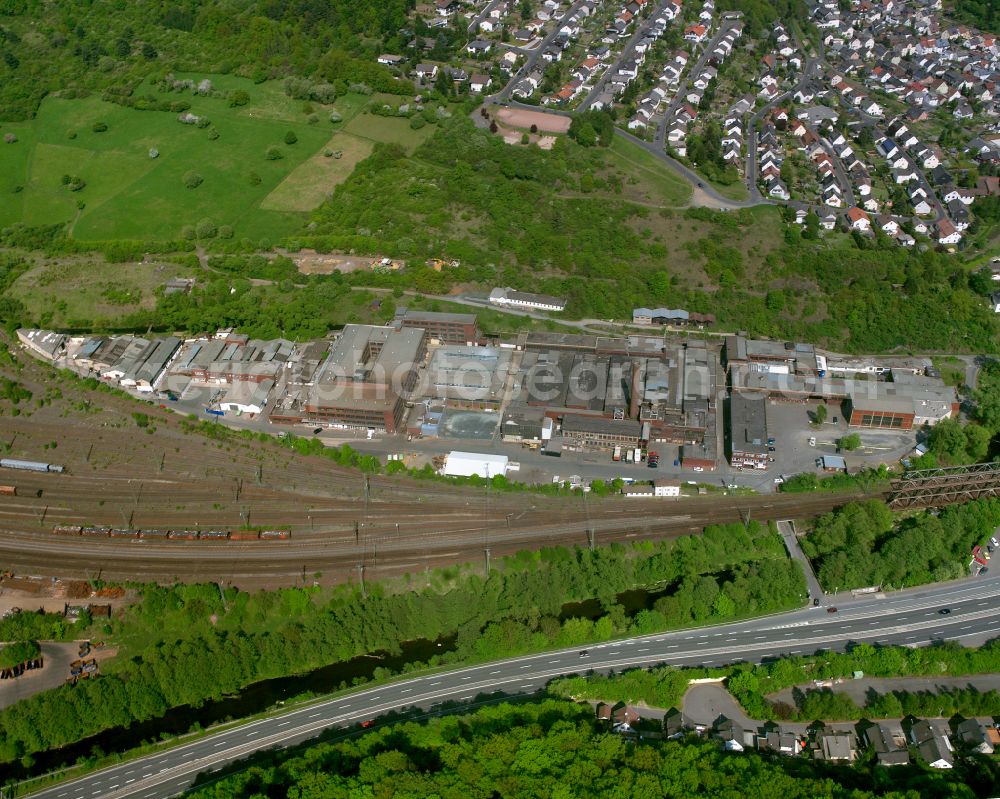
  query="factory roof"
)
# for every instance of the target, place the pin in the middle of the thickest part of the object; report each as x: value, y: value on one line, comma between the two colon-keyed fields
x: 748, y: 423
x: 363, y: 353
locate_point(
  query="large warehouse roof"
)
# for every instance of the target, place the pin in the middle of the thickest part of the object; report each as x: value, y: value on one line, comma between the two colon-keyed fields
x: 466, y: 464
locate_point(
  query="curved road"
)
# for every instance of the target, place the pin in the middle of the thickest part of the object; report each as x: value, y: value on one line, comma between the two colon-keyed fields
x: 910, y: 618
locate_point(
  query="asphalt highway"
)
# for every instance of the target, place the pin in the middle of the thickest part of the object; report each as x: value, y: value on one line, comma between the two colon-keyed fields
x: 911, y: 618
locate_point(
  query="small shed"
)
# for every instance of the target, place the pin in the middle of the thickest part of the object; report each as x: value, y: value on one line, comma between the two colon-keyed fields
x: 833, y: 463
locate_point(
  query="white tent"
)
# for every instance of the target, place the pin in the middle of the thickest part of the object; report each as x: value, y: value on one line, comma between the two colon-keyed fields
x: 466, y: 464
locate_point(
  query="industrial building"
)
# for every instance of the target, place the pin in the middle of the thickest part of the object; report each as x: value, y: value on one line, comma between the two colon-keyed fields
x: 444, y: 328
x: 245, y: 396
x: 466, y: 464
x: 45, y: 343
x: 365, y: 381
x: 509, y: 298
x: 141, y: 361
x: 227, y: 359
x: 747, y: 436
x: 677, y: 317
x: 775, y: 356
x: 467, y: 377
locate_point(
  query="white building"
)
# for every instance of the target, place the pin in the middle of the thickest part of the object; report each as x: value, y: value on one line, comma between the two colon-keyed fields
x: 508, y: 297
x: 466, y: 464
x: 246, y: 396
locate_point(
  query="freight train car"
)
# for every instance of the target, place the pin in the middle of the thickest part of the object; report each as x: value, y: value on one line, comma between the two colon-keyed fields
x: 67, y: 529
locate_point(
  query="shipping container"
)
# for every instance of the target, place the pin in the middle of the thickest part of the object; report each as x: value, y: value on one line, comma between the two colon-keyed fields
x: 122, y: 532
x: 214, y: 535
x: 244, y: 535
x: 153, y: 533
x: 186, y: 535
x: 8, y: 491
x: 67, y: 529
x: 275, y: 534
x: 96, y: 531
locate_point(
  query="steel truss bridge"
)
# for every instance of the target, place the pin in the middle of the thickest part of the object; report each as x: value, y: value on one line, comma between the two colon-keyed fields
x: 924, y: 488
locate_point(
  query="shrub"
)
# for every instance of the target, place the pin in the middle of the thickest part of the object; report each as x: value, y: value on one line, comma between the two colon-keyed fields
x: 225, y: 231
x: 336, y: 116
x: 99, y: 127
x: 417, y: 122
x: 188, y: 233
x: 154, y: 153
x: 203, y: 123
x: 290, y: 137
x: 238, y: 98
x: 193, y: 180
x: 524, y: 138
x: 213, y: 134
x: 254, y: 179
x: 206, y: 229
x: 9, y: 138
x: 313, y: 119
x: 71, y: 134
x: 273, y: 154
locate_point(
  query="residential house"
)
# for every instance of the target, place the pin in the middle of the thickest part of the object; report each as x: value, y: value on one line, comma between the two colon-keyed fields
x: 858, y: 220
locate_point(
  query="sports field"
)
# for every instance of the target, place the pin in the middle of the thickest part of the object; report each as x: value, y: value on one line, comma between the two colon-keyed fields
x: 129, y: 195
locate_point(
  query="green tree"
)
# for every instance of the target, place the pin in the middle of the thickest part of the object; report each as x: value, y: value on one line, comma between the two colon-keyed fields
x: 850, y: 442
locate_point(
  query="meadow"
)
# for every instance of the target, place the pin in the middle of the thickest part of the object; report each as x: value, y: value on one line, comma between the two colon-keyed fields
x: 128, y: 194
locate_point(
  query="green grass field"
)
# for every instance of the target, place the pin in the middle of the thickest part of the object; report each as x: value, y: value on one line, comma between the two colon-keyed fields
x: 309, y: 183
x: 654, y: 179
x: 70, y: 290
x: 129, y: 195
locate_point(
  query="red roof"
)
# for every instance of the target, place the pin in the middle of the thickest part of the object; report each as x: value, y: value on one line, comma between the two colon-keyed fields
x: 855, y: 214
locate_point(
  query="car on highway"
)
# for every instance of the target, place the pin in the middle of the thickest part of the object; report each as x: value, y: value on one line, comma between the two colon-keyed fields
x: 584, y: 653
x: 368, y: 723
x: 944, y: 611
x: 317, y: 431
x: 771, y: 449
x: 831, y: 610
x: 816, y: 602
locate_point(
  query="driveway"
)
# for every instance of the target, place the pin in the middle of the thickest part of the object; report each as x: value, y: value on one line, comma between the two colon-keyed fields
x: 53, y: 674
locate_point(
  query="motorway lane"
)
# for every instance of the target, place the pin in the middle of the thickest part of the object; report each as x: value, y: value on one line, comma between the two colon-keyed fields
x: 909, y: 618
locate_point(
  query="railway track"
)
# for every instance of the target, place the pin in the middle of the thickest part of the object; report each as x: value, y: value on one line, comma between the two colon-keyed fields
x: 390, y: 537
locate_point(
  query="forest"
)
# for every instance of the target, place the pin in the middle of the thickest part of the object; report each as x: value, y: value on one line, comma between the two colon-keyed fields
x: 555, y: 749
x: 64, y: 45
x: 515, y: 216
x: 187, y: 644
x: 863, y: 544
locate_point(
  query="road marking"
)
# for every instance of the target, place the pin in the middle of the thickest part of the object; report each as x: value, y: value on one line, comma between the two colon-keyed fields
x: 284, y: 723
x: 130, y: 781
x: 439, y: 681
x: 558, y: 661
x: 642, y: 650
x: 495, y: 672
x: 406, y: 690
x: 314, y: 715
x: 528, y: 665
